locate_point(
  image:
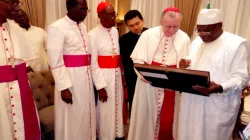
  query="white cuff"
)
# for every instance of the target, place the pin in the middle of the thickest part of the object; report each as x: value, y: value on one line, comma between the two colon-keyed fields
x: 62, y: 78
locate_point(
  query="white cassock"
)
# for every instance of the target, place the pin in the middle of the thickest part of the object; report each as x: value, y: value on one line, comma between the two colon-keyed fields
x: 106, y: 74
x: 18, y: 119
x: 37, y: 41
x: 213, y: 117
x: 153, y: 47
x: 68, y: 53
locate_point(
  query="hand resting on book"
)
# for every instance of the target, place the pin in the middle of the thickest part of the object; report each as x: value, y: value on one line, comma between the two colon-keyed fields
x: 213, y: 88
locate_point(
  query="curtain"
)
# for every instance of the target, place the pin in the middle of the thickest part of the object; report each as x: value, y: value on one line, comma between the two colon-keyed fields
x: 151, y: 10
x: 92, y: 19
x: 189, y: 10
x: 123, y: 6
x: 55, y: 9
x: 235, y: 15
x: 113, y: 3
x: 35, y: 11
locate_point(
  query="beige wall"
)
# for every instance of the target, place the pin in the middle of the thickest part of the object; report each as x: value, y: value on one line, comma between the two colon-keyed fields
x: 122, y: 7
x: 36, y: 11
x: 189, y: 13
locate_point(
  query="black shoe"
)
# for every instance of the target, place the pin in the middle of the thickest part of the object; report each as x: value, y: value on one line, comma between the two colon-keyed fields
x: 120, y: 138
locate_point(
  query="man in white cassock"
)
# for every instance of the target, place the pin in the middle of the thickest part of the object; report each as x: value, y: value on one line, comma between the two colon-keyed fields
x: 69, y: 59
x: 107, y: 75
x: 153, y: 108
x: 18, y: 119
x: 225, y: 56
x: 37, y: 41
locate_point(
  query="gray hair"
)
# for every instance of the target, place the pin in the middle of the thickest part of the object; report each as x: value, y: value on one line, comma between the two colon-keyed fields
x: 171, y: 14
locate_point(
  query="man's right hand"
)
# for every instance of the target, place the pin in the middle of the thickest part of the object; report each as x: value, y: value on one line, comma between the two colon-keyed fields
x: 66, y: 96
x: 29, y: 69
x: 184, y: 63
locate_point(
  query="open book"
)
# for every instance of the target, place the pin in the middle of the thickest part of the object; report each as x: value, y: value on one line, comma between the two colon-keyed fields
x: 173, y: 78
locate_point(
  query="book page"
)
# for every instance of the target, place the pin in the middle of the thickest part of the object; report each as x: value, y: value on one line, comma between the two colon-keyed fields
x: 154, y: 75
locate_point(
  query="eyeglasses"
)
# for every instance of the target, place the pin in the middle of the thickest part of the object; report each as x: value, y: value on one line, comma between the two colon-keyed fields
x: 205, y: 32
x: 111, y: 16
x: 86, y: 11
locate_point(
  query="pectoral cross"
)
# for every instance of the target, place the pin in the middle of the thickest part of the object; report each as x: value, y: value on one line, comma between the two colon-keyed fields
x: 113, y: 52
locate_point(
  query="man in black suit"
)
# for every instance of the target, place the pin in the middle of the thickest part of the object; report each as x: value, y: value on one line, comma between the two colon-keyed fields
x: 135, y: 23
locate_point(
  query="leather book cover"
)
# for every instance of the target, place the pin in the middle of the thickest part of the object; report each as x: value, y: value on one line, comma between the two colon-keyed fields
x: 174, y: 78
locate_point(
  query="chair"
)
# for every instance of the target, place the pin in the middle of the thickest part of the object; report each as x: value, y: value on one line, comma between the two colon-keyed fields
x: 42, y: 85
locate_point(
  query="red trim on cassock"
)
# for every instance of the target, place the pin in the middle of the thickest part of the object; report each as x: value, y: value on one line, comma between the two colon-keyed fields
x: 56, y: 67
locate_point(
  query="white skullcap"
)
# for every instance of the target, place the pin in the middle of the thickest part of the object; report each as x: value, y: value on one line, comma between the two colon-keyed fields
x: 209, y: 16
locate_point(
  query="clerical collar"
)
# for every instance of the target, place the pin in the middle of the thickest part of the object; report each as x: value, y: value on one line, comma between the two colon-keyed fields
x: 135, y: 34
x: 105, y: 27
x: 72, y: 21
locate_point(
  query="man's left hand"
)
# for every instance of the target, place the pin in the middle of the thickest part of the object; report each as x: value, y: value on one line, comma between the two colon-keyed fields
x: 103, y: 96
x: 184, y: 63
x: 213, y: 88
x: 29, y: 69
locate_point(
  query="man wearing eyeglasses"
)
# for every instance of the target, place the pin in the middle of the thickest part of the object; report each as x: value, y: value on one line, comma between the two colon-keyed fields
x: 225, y: 56
x: 135, y: 23
x: 107, y: 75
x: 69, y: 58
x: 18, y: 118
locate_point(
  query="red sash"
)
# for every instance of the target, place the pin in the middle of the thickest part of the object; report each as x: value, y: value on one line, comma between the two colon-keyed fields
x: 8, y: 74
x: 76, y: 60
x: 109, y: 61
